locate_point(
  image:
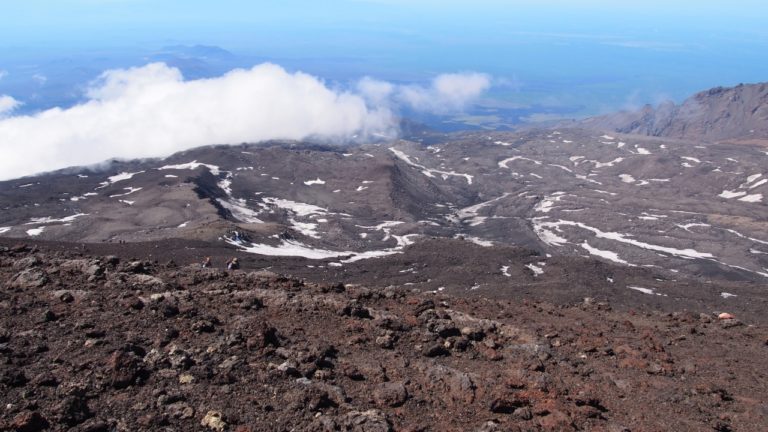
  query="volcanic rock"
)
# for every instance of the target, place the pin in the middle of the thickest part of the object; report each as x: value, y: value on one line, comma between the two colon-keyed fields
x: 390, y: 394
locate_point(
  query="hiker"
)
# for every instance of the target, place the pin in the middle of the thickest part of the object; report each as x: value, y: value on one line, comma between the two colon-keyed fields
x: 206, y: 262
x: 233, y: 264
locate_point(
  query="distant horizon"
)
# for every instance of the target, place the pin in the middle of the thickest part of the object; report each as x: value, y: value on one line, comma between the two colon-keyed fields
x: 586, y: 57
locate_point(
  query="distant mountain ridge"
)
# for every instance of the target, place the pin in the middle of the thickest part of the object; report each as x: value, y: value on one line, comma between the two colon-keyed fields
x: 735, y: 114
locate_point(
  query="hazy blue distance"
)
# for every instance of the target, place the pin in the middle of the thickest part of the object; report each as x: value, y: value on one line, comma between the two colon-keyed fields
x: 567, y: 58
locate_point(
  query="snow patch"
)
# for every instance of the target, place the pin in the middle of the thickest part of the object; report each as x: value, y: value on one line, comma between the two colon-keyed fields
x: 585, y: 178
x: 476, y: 240
x: 191, y: 166
x: 535, y: 269
x: 547, y: 204
x: 652, y: 216
x: 605, y: 192
x: 386, y: 228
x: 544, y: 231
x: 130, y: 190
x: 561, y: 167
x: 291, y: 248
x: 648, y: 291
x: 688, y: 227
x: 122, y: 176
x: 607, y: 164
x: 226, y: 185
x: 472, y: 211
x: 300, y: 209
x: 626, y: 178
x: 752, y: 198
x: 240, y: 211
x: 428, y: 171
x: 505, y: 271
x: 309, y: 229
x: 297, y: 249
x: 738, y: 234
x: 34, y: 232
x: 731, y: 194
x: 609, y: 255
x: 545, y: 234
x: 317, y: 181
x: 49, y: 220
x: 503, y: 164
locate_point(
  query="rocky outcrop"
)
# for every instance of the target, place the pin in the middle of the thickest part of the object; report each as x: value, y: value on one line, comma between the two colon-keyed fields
x: 720, y: 114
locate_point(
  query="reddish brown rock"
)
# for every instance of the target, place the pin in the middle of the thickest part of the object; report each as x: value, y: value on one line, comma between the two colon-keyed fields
x: 29, y: 421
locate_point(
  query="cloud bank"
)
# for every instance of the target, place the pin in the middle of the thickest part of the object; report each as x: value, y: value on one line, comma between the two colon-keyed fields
x: 151, y: 111
x: 447, y: 93
x: 7, y: 105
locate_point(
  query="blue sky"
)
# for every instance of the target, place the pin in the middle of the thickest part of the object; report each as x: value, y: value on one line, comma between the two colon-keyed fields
x: 574, y: 57
x: 79, y: 21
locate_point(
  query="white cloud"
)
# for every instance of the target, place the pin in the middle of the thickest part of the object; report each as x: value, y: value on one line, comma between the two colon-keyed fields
x: 375, y: 91
x: 151, y: 111
x: 7, y: 105
x: 3, y: 74
x: 40, y: 79
x: 448, y: 92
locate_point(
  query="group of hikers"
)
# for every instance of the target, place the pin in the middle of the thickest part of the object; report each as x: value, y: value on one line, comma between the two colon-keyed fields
x: 232, y: 264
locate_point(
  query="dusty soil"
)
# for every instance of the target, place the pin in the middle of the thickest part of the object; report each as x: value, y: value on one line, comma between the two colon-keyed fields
x: 98, y: 343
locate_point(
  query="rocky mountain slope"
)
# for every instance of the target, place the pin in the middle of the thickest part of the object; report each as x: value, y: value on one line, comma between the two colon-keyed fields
x: 736, y: 114
x: 684, y: 208
x: 109, y: 343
